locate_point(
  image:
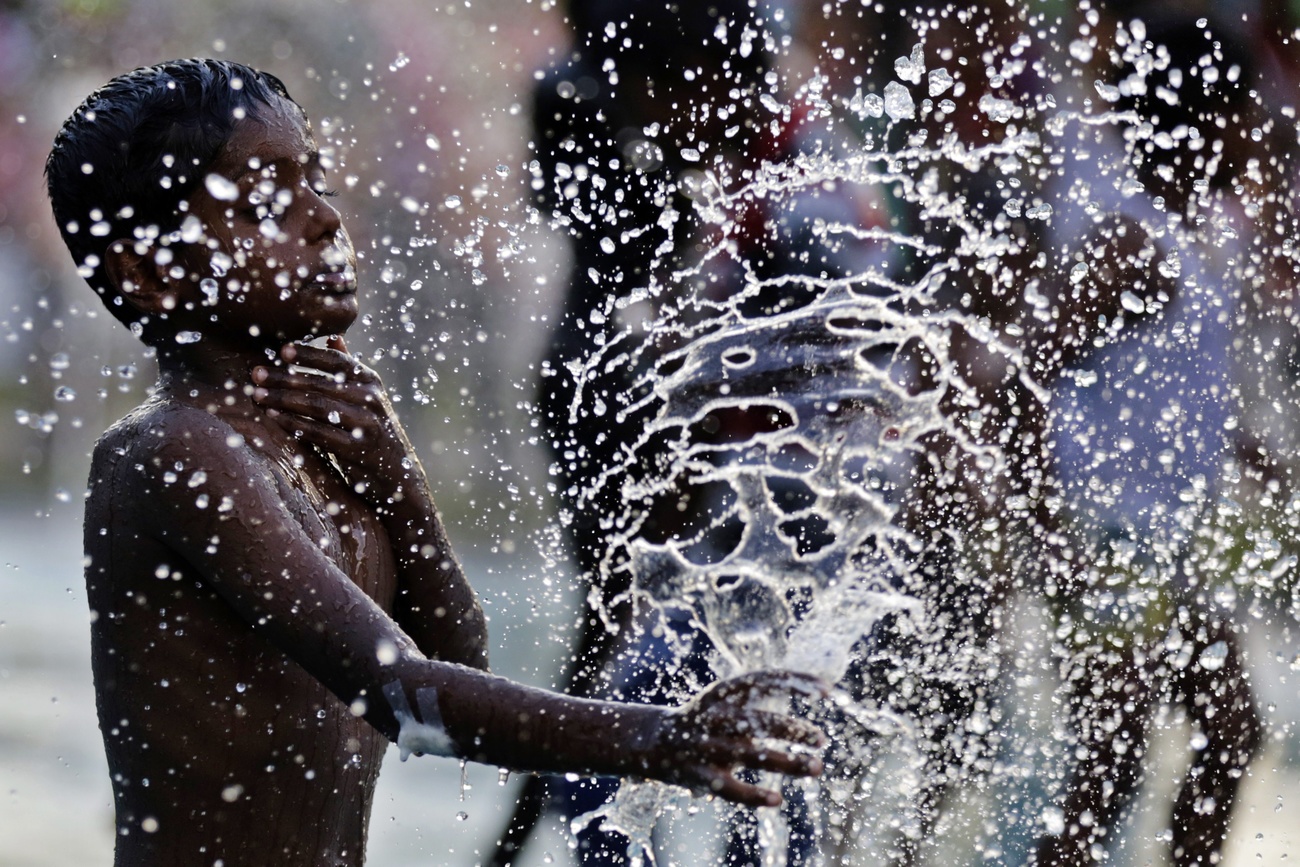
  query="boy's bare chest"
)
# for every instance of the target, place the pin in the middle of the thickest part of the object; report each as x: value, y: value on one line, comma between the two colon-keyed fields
x: 337, y: 520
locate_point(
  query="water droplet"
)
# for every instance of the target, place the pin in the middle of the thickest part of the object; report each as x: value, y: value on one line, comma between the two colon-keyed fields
x: 910, y: 69
x: 1215, y: 656
x: 999, y: 110
x: 1132, y: 303
x: 1131, y: 187
x: 184, y: 337
x: 939, y: 81
x: 65, y: 394
x: 220, y: 264
x: 1108, y: 92
x: 1081, y: 50
x: 191, y: 229
x: 462, y: 816
x: 898, y: 102
x: 452, y: 202
x: 211, y: 291
x: 220, y: 188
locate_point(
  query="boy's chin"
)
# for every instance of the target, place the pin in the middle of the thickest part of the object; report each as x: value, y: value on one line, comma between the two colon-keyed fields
x: 341, y: 316
x: 334, y: 326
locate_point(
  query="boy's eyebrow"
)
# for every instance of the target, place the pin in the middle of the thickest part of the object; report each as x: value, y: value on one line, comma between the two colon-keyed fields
x: 306, y: 159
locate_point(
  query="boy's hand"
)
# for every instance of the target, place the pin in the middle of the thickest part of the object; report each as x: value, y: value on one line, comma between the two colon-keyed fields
x: 703, y: 743
x: 346, y: 412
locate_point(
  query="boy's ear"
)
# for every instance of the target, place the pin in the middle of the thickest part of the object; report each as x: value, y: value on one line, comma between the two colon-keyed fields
x: 140, y: 280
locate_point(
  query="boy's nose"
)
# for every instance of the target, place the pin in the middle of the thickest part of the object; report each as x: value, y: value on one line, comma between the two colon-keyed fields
x: 324, y: 221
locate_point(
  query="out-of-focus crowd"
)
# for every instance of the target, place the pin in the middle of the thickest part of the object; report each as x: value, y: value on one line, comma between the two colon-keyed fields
x: 1095, y: 204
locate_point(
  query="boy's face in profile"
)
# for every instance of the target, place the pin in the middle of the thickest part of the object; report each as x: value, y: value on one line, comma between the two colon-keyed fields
x: 274, y: 262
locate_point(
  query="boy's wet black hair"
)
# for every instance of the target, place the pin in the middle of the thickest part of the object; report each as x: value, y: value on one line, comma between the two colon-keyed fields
x: 127, y: 159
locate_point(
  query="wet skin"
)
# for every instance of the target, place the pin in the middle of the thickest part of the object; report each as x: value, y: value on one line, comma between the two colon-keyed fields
x: 264, y: 557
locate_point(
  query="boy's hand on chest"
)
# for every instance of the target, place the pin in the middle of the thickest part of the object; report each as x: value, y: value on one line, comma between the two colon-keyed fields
x: 326, y: 398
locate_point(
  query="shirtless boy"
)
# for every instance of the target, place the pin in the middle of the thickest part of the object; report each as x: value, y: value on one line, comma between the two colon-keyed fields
x: 273, y: 593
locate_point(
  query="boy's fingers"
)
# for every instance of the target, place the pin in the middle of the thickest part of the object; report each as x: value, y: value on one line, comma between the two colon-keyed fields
x: 334, y: 385
x: 791, y: 764
x: 725, y: 785
x: 769, y: 724
x: 318, y: 433
x: 726, y: 752
x: 310, y: 405
x: 763, y: 684
x: 788, y: 728
x: 327, y: 360
x: 324, y: 359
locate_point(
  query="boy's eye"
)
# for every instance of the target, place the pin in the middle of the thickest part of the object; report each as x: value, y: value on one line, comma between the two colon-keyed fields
x: 320, y: 188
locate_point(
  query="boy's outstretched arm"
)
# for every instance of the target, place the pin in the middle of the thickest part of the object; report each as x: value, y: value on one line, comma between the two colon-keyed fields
x: 254, y: 553
x: 347, y: 412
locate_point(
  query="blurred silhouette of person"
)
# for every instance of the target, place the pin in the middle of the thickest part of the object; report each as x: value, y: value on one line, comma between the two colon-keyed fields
x: 1141, y: 434
x: 974, y: 502
x: 653, y: 95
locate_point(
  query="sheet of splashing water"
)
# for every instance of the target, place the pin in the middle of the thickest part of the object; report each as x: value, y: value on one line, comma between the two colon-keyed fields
x: 817, y: 558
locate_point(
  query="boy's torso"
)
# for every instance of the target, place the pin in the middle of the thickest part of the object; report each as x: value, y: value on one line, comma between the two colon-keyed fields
x: 214, y: 737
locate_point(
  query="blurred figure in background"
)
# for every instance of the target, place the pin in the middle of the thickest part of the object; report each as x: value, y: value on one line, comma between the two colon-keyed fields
x: 1141, y: 429
x: 652, y: 96
x: 974, y: 503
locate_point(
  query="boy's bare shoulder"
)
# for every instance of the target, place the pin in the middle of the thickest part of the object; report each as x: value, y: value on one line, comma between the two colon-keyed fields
x: 164, y: 441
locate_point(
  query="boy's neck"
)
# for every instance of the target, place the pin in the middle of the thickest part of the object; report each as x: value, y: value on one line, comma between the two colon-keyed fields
x: 212, y: 375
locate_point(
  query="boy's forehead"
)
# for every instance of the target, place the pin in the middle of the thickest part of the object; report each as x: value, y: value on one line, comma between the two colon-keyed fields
x: 279, y: 134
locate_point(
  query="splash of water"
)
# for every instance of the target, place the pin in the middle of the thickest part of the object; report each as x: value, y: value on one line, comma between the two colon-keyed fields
x: 806, y: 421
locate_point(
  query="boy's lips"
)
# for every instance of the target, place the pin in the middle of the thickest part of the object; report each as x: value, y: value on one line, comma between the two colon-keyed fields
x: 341, y: 282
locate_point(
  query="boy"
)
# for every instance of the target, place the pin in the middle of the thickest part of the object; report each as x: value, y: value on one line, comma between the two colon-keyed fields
x: 273, y: 594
